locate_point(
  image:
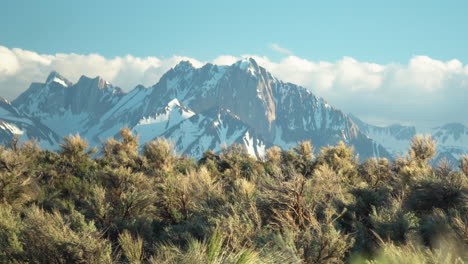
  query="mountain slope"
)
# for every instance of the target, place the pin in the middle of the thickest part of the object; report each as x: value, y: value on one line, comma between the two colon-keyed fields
x: 279, y: 113
x: 68, y: 108
x: 199, y: 108
x: 213, y: 129
x: 13, y: 123
x: 452, y: 138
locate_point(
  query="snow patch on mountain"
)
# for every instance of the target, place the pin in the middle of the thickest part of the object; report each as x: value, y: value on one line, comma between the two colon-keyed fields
x: 12, y: 128
x: 66, y: 123
x: 59, y: 81
x: 205, y: 108
x: 155, y: 125
x: 452, y: 139
x: 13, y: 123
x: 395, y: 145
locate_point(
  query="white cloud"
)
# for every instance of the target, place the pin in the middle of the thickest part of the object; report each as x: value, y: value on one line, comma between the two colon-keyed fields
x: 280, y: 49
x: 18, y: 68
x: 225, y: 60
x: 423, y: 91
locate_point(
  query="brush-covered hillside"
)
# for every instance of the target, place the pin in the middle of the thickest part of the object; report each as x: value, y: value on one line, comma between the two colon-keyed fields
x: 125, y: 203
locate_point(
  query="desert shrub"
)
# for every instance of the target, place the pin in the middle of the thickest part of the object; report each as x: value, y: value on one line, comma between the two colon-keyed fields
x: 304, y: 158
x: 235, y: 163
x: 391, y: 222
x: 459, y: 224
x: 244, y: 188
x: 73, y: 171
x: 422, y: 149
x: 376, y: 172
x: 124, y: 200
x: 123, y: 153
x: 415, y: 253
x: 11, y: 248
x: 129, y: 194
x: 297, y: 201
x: 132, y: 247
x: 209, y: 251
x: 464, y: 164
x: 426, y: 194
x: 160, y: 155
x: 302, y: 211
x: 415, y: 165
x: 357, y: 220
x: 241, y: 225
x: 328, y: 185
x: 149, y: 205
x: 289, y: 202
x: 272, y: 161
x: 98, y: 206
x: 182, y: 195
x: 18, y: 167
x: 340, y: 159
x: 366, y: 198
x: 319, y: 242
x: 54, y: 238
x: 440, y: 229
x: 75, y: 149
x: 273, y: 155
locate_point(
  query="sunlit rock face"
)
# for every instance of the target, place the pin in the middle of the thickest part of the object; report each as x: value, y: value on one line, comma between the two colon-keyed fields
x: 207, y: 107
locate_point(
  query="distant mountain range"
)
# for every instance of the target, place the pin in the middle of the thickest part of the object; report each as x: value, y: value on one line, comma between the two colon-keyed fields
x: 204, y: 108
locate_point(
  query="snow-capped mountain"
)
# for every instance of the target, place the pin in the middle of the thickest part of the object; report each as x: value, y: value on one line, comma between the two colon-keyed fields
x: 13, y: 122
x: 203, y: 108
x: 452, y: 138
x: 271, y: 111
x: 66, y: 108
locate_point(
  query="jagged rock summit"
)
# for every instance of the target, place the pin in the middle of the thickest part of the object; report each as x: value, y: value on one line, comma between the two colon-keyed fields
x: 199, y: 108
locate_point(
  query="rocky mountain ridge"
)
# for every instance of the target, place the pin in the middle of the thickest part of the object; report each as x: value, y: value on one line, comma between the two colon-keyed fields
x: 204, y: 108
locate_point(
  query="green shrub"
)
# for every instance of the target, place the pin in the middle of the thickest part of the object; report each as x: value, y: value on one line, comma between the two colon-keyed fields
x: 132, y: 247
x: 54, y: 238
x: 393, y: 223
x: 148, y: 205
x: 209, y: 251
x: 11, y: 248
x: 340, y: 159
x: 160, y: 155
x: 413, y: 253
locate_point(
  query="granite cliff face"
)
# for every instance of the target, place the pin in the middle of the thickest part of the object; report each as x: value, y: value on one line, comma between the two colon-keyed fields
x: 272, y: 111
x: 202, y: 108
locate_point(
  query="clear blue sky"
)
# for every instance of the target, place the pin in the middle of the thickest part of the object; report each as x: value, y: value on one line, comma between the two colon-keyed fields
x: 376, y: 31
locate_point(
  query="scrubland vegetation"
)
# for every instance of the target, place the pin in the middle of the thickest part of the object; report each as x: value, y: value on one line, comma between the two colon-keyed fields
x: 127, y: 204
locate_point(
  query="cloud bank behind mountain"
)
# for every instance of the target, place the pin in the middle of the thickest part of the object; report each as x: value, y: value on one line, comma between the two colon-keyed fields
x: 425, y: 91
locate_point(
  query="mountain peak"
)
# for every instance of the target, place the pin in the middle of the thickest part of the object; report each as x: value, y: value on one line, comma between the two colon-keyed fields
x: 98, y: 82
x: 453, y: 126
x: 57, y: 78
x: 202, y: 107
x: 183, y: 65
x: 174, y: 102
x: 247, y: 65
